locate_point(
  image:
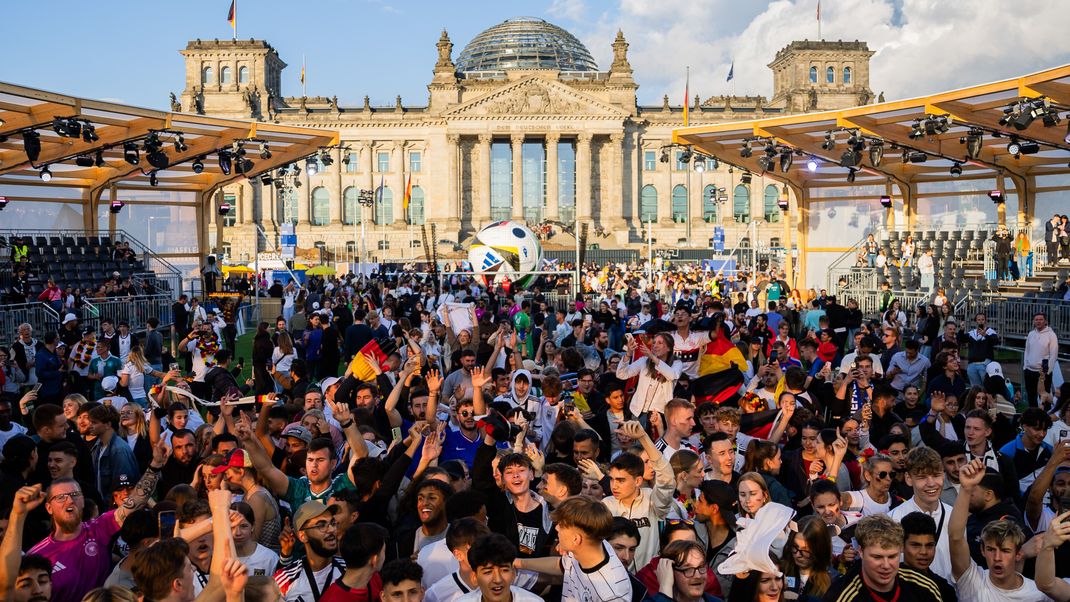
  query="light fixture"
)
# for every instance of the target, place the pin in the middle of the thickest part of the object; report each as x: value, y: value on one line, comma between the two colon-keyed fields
x: 131, y: 154
x: 83, y: 161
x: 766, y: 163
x: 830, y: 141
x: 917, y: 157
x: 310, y: 167
x: 782, y: 200
x: 664, y: 155
x: 886, y: 201
x: 956, y: 170
x: 745, y: 151
x: 31, y: 143
x: 197, y: 165
x: 916, y: 131
x: 98, y: 161
x: 325, y: 158
x: 266, y: 179
x: 153, y: 179
x: 786, y: 159
x: 1051, y: 117
x: 89, y: 133
x: 265, y: 153
x: 180, y: 144
x: 346, y: 158
x: 745, y: 177
x: 811, y: 165
x: 996, y: 196
x: 700, y: 163
x: 156, y: 157
x: 714, y: 163
x: 1014, y: 147
x: 770, y: 149
x: 973, y: 142
x: 851, y: 174
x: 224, y: 162
x: 116, y: 206
x: 243, y: 165
x: 1029, y: 147
x: 224, y: 208
x: 876, y: 153
x: 850, y: 158
x: 59, y: 125
x: 46, y: 174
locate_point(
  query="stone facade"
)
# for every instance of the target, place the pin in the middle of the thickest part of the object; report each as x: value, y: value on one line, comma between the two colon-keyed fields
x: 614, y: 151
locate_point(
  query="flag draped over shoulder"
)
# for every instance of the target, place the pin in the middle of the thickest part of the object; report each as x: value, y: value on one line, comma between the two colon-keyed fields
x: 720, y: 371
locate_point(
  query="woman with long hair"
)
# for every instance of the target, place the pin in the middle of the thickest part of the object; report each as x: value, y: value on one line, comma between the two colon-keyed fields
x: 132, y: 375
x: 262, y: 353
x: 135, y: 429
x: 763, y: 457
x: 204, y: 480
x: 689, y: 472
x: 808, y: 558
x: 753, y: 494
x: 906, y: 252
x: 282, y: 358
x: 657, y: 372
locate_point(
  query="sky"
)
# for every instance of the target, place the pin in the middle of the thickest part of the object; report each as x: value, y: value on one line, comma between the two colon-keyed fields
x: 128, y: 50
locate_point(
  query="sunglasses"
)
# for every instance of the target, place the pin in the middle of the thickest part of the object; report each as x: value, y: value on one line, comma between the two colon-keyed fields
x: 884, y: 474
x: 466, y: 414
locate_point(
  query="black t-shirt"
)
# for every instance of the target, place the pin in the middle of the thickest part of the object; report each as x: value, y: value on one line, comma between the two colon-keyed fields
x: 175, y: 473
x: 533, y: 536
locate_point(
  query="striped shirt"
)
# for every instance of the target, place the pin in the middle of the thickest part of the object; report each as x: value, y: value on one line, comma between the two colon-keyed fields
x: 607, y: 581
x: 292, y: 579
x: 909, y: 585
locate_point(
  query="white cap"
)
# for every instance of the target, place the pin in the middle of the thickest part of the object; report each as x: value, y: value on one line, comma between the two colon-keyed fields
x: 70, y: 318
x: 328, y: 382
x: 315, y: 305
x: 109, y: 383
x: 994, y: 369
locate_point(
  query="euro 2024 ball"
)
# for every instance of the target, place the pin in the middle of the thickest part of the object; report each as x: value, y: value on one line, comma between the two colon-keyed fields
x: 506, y: 250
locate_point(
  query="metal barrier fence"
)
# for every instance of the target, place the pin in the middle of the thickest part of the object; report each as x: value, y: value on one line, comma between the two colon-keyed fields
x: 40, y: 316
x: 134, y: 312
x: 1013, y: 318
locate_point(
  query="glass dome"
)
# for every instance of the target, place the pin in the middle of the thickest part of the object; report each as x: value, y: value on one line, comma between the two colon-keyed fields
x: 525, y: 43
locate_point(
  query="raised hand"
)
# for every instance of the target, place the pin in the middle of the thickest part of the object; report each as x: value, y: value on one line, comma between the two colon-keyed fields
x: 26, y: 499
x: 538, y: 460
x: 160, y: 453
x: 243, y: 429
x: 220, y: 500
x: 434, y: 381
x: 971, y: 474
x: 286, y: 539
x: 1059, y: 531
x: 937, y: 401
x: 432, y: 446
x: 839, y: 446
x: 633, y: 430
x: 589, y: 468
x: 817, y: 467
x: 340, y: 411
x: 655, y: 421
x: 235, y: 575
x: 480, y: 377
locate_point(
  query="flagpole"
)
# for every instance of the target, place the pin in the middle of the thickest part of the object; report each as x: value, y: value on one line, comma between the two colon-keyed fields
x: 234, y: 25
x: 819, y: 20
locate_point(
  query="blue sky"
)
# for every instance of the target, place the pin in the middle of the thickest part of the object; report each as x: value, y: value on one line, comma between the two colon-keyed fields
x: 387, y: 47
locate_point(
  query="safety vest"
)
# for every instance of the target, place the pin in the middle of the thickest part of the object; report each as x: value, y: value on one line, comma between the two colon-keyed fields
x: 21, y: 252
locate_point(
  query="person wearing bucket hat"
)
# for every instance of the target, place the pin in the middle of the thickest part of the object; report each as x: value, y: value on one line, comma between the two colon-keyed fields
x: 316, y: 526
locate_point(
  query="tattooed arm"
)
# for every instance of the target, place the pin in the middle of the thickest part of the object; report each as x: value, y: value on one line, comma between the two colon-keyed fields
x: 147, y: 484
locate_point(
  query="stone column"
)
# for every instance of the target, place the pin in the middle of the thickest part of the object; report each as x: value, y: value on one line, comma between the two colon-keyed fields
x: 367, y: 160
x: 612, y: 203
x: 245, y: 202
x: 634, y: 182
x: 481, y: 200
x: 583, y: 176
x: 552, y: 140
x: 335, y: 187
x: 517, y: 141
x: 453, y: 200
x: 304, y: 198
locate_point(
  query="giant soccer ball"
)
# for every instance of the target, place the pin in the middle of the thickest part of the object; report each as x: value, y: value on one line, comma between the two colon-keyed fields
x: 505, y: 250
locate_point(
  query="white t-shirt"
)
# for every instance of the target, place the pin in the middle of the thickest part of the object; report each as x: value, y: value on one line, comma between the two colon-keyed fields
x: 136, y: 384
x: 447, y: 589
x: 942, y: 561
x: 861, y: 502
x: 519, y: 595
x: 974, y: 585
x: 262, y: 561
x: 608, y: 581
x: 16, y: 429
x: 689, y: 350
x: 438, y: 562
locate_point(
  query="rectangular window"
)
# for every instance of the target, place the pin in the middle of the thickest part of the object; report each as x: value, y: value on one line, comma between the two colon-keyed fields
x: 414, y: 161
x: 534, y: 168
x: 650, y: 160
x: 349, y: 160
x: 231, y: 217
x: 566, y: 181
x: 680, y: 165
x: 383, y: 160
x: 501, y: 180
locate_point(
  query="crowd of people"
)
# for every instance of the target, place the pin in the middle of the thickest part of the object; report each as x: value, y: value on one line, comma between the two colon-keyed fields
x: 684, y: 436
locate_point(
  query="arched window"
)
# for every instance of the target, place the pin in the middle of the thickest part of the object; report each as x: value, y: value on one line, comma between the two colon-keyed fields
x: 709, y: 203
x: 741, y: 204
x: 648, y: 204
x: 288, y: 206
x: 206, y: 75
x: 350, y: 206
x: 416, y: 206
x: 679, y: 203
x: 224, y: 75
x: 243, y: 75
x: 321, y: 206
x: 830, y: 75
x: 384, y: 206
x: 769, y: 206
x: 813, y: 75
x: 846, y: 75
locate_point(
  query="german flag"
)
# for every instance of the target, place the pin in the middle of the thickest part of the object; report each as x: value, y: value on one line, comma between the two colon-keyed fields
x: 720, y: 370
x: 370, y: 361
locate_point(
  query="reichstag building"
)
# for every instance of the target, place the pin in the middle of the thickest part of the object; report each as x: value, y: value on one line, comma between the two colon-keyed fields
x: 521, y: 124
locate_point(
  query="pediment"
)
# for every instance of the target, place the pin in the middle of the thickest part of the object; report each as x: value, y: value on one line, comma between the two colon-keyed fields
x: 535, y: 96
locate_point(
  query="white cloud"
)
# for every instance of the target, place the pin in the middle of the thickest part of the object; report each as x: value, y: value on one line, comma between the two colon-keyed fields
x: 925, y: 46
x: 573, y: 10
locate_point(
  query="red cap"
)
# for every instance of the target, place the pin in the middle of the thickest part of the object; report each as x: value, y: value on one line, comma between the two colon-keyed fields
x: 238, y: 459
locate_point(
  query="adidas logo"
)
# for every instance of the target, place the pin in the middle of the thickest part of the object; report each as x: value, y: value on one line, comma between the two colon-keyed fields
x: 58, y: 566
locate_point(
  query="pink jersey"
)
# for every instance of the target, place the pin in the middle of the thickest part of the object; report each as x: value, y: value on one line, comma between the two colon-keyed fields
x: 82, y: 563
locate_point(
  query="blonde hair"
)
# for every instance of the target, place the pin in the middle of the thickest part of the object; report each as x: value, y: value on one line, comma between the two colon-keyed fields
x: 879, y: 530
x: 141, y: 427
x: 115, y: 593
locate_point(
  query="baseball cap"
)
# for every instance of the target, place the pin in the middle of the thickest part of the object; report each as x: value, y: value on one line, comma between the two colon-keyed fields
x: 237, y: 459
x: 299, y: 432
x: 88, y: 330
x: 994, y: 369
x: 109, y: 383
x: 70, y: 318
x: 328, y: 382
x: 310, y: 510
x: 123, y: 481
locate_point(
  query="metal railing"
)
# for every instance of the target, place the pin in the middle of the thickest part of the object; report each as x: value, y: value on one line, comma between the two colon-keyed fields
x: 39, y: 315
x: 135, y: 311
x: 1013, y: 318
x: 837, y: 269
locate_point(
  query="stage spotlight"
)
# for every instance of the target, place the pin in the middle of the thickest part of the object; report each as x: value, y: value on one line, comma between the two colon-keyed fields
x: 224, y: 208
x: 917, y: 157
x: 974, y: 142
x: 1028, y: 147
x: 266, y: 179
x: 830, y: 141
x: 996, y: 196
x: 46, y: 174
x: 83, y: 161
x: 310, y: 167
x: 152, y: 141
x: 59, y: 125
x: 745, y: 151
x: 700, y: 163
x: 811, y: 165
x: 664, y: 155
x: 131, y: 154
x: 886, y: 201
x: 325, y: 158
x: 198, y: 165
x: 89, y: 133
x: 224, y: 162
x: 180, y: 144
x: 346, y: 158
x: 31, y: 143
x: 745, y: 177
x: 956, y: 170
x: 157, y: 158
x: 1051, y: 117
x: 1028, y: 112
x: 98, y: 161
x: 116, y: 206
x: 244, y: 166
x: 876, y: 153
x: 766, y: 164
x: 786, y: 159
x: 850, y: 158
x: 916, y: 131
x: 1014, y: 147
x: 264, y: 152
x: 851, y: 174
x: 782, y: 200
x: 685, y: 157
x: 153, y: 179
x: 297, y: 183
x: 770, y: 150
x: 714, y: 163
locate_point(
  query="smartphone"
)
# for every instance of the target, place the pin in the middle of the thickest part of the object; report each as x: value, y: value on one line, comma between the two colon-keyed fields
x: 166, y: 522
x: 395, y: 433
x: 37, y: 387
x: 772, y: 357
x: 173, y: 367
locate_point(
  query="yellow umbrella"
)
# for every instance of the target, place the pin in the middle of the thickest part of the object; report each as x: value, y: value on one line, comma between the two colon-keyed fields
x: 241, y: 269
x: 320, y: 270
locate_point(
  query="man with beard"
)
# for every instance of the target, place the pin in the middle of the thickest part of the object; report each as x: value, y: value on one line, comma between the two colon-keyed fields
x: 316, y: 526
x: 23, y: 578
x: 79, y: 551
x: 460, y: 444
x: 458, y: 384
x: 1001, y: 543
x: 182, y: 464
x: 431, y: 498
